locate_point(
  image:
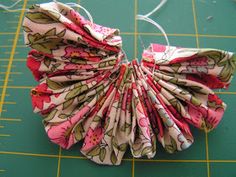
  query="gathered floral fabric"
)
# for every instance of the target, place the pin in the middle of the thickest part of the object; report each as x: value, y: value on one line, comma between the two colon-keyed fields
x: 87, y: 92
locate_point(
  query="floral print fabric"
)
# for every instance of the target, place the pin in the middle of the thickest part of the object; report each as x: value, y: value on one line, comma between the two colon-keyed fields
x: 87, y: 93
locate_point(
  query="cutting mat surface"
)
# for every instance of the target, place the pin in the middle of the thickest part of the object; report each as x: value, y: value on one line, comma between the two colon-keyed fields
x: 25, y: 150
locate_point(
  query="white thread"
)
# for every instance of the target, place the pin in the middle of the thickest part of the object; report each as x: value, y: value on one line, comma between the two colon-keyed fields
x: 147, y: 19
x: 8, y: 8
x: 126, y: 59
x: 159, y: 6
x: 142, y: 43
x: 144, y: 18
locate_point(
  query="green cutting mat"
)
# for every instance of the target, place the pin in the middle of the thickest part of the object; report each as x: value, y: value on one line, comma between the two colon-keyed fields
x: 25, y: 150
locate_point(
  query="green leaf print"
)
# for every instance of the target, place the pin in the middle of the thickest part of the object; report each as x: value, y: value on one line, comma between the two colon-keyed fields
x: 51, y: 115
x: 106, y: 63
x: 46, y: 42
x: 54, y: 85
x: 47, y: 61
x: 51, y: 32
x: 122, y: 147
x: 63, y: 116
x: 114, y: 143
x: 80, y: 98
x: 41, y: 18
x: 215, y: 55
x: 172, y: 147
x: 102, y: 154
x: 125, y: 127
x: 109, y: 133
x: 176, y: 104
x: 97, y: 118
x: 175, y: 67
x: 73, y: 93
x: 26, y: 29
x: 76, y: 91
x: 35, y: 6
x: 79, y: 132
x: 195, y: 101
x: 227, y: 71
x: 94, y: 152
x: 47, y: 45
x: 67, y: 104
x: 146, y: 150
x: 113, y: 158
x: 206, y: 126
x: 62, y: 33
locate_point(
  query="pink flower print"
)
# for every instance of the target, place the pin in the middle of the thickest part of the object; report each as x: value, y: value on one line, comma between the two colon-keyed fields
x: 74, y: 27
x: 214, y: 117
x: 61, y: 134
x: 192, y: 60
x: 196, y: 116
x: 198, y: 65
x: 208, y: 80
x: 104, y: 31
x: 215, y: 98
x: 72, y: 52
x: 34, y: 66
x: 71, y: 66
x: 92, y: 138
x: 144, y: 122
x: 76, y: 15
x: 48, y: 110
x: 158, y: 48
x: 193, y: 78
x: 40, y: 95
x: 212, y: 81
x: 198, y: 62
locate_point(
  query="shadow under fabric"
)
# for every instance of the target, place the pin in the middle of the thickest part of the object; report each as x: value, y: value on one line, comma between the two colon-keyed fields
x: 87, y: 92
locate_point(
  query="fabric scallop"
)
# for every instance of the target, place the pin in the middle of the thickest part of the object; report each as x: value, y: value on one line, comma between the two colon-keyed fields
x: 86, y: 91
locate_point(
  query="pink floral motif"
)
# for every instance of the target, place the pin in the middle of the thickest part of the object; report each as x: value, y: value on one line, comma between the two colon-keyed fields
x: 34, y: 66
x: 144, y: 122
x: 76, y: 15
x: 72, y: 52
x: 61, y: 134
x: 198, y: 65
x: 92, y: 138
x: 48, y: 110
x: 158, y: 48
x: 40, y: 95
x: 215, y: 98
x: 197, y: 115
x: 199, y: 62
x: 98, y: 28
x: 214, y: 116
x: 71, y: 66
x: 74, y: 27
x: 208, y: 80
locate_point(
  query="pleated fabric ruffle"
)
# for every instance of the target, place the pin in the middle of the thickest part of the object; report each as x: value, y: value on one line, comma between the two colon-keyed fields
x: 87, y: 92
